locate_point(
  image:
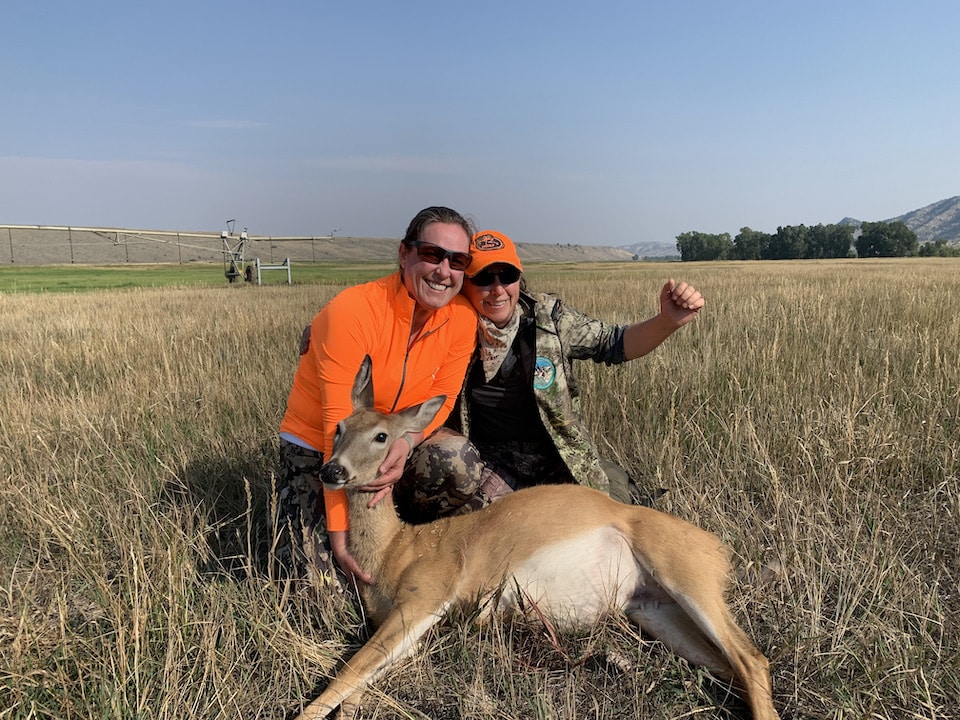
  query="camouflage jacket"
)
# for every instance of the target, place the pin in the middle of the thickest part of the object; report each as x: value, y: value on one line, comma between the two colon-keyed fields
x: 550, y: 337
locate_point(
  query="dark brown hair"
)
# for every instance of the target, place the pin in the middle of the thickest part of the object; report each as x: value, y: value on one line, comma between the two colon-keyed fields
x: 435, y: 214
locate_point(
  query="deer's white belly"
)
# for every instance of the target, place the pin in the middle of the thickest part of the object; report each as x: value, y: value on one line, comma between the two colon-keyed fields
x: 577, y: 581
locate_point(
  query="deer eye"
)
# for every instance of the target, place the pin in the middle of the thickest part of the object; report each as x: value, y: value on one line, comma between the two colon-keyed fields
x: 381, y: 437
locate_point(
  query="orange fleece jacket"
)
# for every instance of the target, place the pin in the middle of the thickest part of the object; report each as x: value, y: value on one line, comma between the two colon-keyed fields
x: 375, y: 319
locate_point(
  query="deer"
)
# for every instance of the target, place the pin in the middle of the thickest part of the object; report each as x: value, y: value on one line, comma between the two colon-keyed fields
x: 566, y: 552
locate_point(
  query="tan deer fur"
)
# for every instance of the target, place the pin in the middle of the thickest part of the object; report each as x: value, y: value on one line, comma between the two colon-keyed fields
x: 572, y: 552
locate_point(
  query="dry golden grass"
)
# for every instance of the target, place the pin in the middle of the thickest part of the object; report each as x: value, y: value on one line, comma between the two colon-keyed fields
x: 810, y: 417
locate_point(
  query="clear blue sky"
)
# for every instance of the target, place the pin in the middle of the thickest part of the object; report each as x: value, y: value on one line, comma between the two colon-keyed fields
x: 599, y: 123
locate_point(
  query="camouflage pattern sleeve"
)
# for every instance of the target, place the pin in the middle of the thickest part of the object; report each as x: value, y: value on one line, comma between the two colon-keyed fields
x: 584, y: 337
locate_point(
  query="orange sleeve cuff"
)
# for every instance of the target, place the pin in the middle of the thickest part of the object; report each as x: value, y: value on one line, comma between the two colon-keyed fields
x: 335, y: 504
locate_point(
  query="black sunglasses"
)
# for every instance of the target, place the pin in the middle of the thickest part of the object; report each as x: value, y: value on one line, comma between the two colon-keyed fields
x: 435, y: 255
x: 507, y: 276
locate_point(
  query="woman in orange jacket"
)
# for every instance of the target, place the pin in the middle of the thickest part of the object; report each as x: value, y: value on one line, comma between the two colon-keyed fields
x: 420, y: 333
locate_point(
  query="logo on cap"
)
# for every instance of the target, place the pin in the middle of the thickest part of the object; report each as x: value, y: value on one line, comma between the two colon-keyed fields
x: 488, y: 242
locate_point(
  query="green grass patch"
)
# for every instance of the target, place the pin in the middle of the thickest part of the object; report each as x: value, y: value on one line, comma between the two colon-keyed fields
x: 84, y: 278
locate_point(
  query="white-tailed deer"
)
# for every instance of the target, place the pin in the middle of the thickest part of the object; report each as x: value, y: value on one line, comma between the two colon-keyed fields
x: 569, y: 551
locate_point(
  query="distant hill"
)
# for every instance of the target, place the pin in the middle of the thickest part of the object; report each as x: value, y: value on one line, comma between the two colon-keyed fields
x: 41, y: 245
x: 557, y: 252
x: 385, y: 249
x: 38, y: 245
x: 937, y: 221
x: 644, y: 250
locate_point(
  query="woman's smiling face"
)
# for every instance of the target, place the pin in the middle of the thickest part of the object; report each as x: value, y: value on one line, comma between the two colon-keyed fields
x: 433, y: 286
x: 496, y: 301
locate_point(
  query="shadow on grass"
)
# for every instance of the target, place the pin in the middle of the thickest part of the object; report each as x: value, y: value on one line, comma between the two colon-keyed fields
x: 231, y: 496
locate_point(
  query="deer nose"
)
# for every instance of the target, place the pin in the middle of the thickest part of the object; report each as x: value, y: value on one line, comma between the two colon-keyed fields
x: 333, y: 473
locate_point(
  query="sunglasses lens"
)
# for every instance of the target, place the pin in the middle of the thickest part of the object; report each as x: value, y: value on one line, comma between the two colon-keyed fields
x: 432, y: 254
x: 459, y: 260
x: 435, y: 255
x: 507, y: 275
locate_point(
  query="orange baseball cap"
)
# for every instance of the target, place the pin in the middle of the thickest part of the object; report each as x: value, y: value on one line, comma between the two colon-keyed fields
x: 488, y: 247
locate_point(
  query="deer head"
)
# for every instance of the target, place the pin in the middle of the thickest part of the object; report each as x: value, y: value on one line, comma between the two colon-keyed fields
x: 364, y: 437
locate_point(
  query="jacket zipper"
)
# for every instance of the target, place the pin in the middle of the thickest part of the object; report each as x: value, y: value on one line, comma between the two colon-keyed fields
x: 406, y: 357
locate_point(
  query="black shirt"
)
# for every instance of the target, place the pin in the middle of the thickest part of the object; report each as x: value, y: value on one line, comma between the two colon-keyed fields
x: 504, y: 408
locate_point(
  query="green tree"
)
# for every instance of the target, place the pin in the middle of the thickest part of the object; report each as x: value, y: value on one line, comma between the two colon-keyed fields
x: 829, y: 241
x: 694, y: 246
x: 789, y: 243
x: 750, y: 244
x: 939, y: 248
x: 880, y: 239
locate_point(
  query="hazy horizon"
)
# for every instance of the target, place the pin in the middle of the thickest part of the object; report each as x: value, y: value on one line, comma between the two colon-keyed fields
x: 567, y: 123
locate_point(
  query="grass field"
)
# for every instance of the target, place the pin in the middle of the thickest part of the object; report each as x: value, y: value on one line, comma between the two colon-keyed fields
x: 810, y: 417
x: 84, y: 278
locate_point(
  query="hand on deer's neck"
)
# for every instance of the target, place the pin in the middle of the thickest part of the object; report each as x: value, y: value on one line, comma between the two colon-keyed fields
x: 346, y: 561
x: 381, y: 494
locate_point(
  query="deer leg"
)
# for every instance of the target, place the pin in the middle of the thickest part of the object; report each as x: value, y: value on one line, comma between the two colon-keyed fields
x: 750, y: 667
x: 395, y: 638
x: 671, y: 625
x: 710, y: 637
x: 683, y: 604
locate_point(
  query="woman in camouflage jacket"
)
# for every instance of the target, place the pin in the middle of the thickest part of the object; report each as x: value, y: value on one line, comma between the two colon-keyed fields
x: 520, y: 405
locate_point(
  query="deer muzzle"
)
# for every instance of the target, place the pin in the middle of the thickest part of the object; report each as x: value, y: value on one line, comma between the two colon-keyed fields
x: 333, y: 475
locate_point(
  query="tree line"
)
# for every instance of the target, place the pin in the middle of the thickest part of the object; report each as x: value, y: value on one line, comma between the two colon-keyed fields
x: 792, y: 242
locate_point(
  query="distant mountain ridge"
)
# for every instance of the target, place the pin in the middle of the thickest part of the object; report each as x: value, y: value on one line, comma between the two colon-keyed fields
x: 937, y: 221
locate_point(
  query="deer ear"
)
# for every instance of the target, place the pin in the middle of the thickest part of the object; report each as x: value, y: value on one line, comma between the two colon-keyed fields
x: 362, y: 395
x: 419, y: 416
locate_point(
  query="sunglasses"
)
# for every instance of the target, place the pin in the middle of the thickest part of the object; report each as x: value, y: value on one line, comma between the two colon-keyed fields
x: 434, y: 254
x: 507, y: 276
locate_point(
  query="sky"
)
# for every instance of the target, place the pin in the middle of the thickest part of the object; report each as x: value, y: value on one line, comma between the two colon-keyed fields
x: 604, y: 123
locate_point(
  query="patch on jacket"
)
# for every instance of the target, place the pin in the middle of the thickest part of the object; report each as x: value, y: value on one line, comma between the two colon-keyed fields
x: 544, y: 373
